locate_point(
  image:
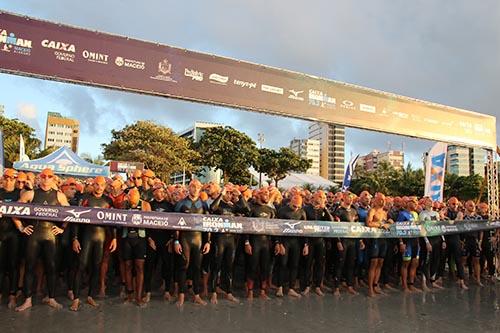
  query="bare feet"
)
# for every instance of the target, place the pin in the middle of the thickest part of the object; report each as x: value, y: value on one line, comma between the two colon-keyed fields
x: 123, y: 293
x: 318, y: 291
x: 180, y: 300
x: 371, y: 293
x: 378, y: 290
x: 146, y: 298
x: 436, y: 285
x: 250, y: 295
x: 92, y: 302
x: 213, y: 298
x: 140, y: 303
x: 389, y: 287
x: 462, y: 285
x: 279, y: 292
x: 197, y: 300
x: 12, y: 302
x: 167, y: 297
x: 71, y: 295
x: 352, y: 291
x: 26, y: 305
x: 263, y: 295
x: 231, y: 298
x: 336, y: 292
x: 293, y: 293
x: 75, y: 305
x: 53, y: 304
x: 414, y: 289
x: 306, y: 291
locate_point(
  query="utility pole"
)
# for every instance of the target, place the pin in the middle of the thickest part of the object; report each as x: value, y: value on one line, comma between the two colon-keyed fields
x: 261, y: 139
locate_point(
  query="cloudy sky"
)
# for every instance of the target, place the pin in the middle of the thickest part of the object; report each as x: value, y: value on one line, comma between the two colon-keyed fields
x: 442, y: 51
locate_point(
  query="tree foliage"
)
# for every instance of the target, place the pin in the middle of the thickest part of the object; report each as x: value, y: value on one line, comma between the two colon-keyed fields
x: 11, y: 129
x: 158, y: 147
x: 229, y: 150
x: 408, y: 181
x: 278, y: 164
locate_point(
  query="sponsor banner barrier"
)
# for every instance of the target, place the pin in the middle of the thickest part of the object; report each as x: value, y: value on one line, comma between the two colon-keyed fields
x: 47, y: 50
x: 235, y: 224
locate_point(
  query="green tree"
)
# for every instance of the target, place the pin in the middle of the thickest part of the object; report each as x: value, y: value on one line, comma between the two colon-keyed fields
x: 11, y: 129
x: 462, y: 187
x: 99, y: 160
x: 47, y: 151
x: 156, y: 146
x: 227, y: 149
x: 278, y: 164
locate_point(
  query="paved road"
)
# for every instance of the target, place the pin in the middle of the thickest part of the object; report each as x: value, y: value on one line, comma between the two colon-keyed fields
x: 450, y: 310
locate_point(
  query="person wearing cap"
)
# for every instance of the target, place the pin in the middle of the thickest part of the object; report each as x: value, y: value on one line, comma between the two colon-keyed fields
x: 41, y: 238
x: 134, y: 248
x: 88, y: 243
x: 188, y: 245
x: 118, y: 198
x: 257, y: 246
x: 9, y: 238
x: 160, y: 241
x: 21, y: 181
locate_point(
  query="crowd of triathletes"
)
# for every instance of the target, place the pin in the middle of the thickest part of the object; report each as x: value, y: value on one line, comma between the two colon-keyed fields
x: 36, y: 254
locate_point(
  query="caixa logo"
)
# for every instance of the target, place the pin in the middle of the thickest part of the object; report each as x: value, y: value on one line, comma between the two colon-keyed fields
x: 15, y: 210
x: 290, y: 228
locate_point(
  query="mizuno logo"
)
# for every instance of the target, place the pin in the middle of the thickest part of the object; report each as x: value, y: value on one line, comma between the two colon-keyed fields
x: 78, y: 214
x: 292, y: 225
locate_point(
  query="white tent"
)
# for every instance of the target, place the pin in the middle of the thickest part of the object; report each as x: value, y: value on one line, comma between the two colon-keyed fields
x: 297, y: 179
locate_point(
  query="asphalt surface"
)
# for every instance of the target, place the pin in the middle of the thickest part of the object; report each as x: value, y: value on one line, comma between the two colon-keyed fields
x: 449, y: 310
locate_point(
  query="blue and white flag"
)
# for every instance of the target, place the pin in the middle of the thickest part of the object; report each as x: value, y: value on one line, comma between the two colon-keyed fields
x: 349, y: 172
x: 434, y: 171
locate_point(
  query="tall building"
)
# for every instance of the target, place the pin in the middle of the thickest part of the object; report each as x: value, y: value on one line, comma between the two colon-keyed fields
x: 463, y: 161
x: 371, y: 161
x: 206, y: 174
x: 332, y: 141
x: 477, y: 161
x: 308, y: 149
x: 61, y: 131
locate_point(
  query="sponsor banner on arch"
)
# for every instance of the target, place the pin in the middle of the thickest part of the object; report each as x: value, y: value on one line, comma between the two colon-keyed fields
x: 235, y: 224
x: 48, y: 50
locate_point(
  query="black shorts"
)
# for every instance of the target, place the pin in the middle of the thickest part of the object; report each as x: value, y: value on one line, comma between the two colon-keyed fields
x: 133, y: 248
x: 377, y: 248
x: 471, y: 248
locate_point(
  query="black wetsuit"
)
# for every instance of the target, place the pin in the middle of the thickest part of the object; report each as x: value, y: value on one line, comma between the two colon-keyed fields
x: 224, y: 249
x: 10, y: 240
x: 160, y: 237
x: 453, y: 247
x: 42, y: 243
x: 91, y: 238
x: 191, y: 242
x: 259, y: 261
x: 346, y: 259
x: 133, y: 240
x: 392, y: 256
x: 487, y: 253
x: 315, y: 260
x: 293, y: 248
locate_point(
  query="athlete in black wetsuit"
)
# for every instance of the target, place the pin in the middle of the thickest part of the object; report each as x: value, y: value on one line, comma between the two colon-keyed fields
x: 133, y: 249
x: 453, y: 241
x: 9, y: 239
x: 473, y: 241
x: 42, y: 237
x: 188, y: 244
x: 487, y: 254
x: 160, y: 242
x: 315, y: 259
x: 257, y: 246
x: 294, y: 248
x: 225, y: 248
x: 88, y: 242
x: 345, y: 248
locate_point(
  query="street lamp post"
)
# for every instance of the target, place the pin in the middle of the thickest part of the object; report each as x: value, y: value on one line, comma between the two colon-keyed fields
x: 261, y: 139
